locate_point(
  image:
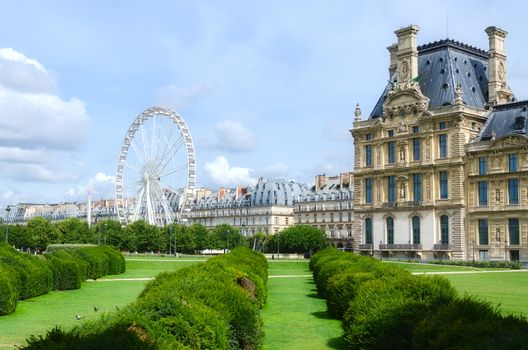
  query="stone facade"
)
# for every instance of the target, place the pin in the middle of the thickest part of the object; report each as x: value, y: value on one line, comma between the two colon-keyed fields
x: 328, y: 205
x: 415, y: 180
x: 265, y: 208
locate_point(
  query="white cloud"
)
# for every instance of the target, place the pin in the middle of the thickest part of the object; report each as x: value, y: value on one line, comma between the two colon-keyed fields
x: 40, y: 133
x: 178, y: 97
x: 220, y: 173
x: 24, y: 74
x: 233, y: 137
x: 100, y: 185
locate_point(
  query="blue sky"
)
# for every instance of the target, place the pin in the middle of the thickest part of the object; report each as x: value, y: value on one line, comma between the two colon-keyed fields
x: 266, y: 88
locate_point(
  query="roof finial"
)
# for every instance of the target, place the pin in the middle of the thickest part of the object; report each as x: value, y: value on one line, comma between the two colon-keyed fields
x: 458, y: 94
x: 357, y: 113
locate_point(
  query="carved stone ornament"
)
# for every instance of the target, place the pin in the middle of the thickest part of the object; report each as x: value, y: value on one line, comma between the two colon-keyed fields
x: 501, y: 71
x: 509, y: 141
x: 405, y: 98
x: 404, y: 70
x: 401, y: 127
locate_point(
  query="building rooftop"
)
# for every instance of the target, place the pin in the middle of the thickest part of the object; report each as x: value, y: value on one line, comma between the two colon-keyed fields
x: 442, y: 65
x: 505, y: 120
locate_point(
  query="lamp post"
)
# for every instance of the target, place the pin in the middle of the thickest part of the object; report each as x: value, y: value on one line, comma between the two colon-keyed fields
x: 278, y: 245
x: 170, y: 240
x: 7, y: 226
x: 473, y: 249
x: 175, y: 245
x: 99, y: 235
x: 105, y: 226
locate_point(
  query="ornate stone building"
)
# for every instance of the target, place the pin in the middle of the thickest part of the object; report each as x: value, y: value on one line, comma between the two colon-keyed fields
x: 415, y: 185
x: 266, y: 207
x: 497, y: 186
x: 328, y: 205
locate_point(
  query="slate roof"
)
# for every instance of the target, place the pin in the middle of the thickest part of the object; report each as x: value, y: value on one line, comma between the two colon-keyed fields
x: 264, y: 193
x: 506, y: 119
x: 332, y: 190
x: 441, y: 66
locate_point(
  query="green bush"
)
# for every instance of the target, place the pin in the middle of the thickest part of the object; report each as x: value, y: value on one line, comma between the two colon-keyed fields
x: 514, y: 265
x: 9, y: 289
x: 115, y: 337
x: 387, y: 310
x: 25, y: 276
x: 470, y: 323
x: 52, y: 248
x: 214, y: 305
x: 35, y: 278
x: 68, y: 271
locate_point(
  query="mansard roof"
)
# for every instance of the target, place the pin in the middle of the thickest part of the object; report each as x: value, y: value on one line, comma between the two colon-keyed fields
x: 266, y: 192
x: 441, y: 66
x: 505, y: 120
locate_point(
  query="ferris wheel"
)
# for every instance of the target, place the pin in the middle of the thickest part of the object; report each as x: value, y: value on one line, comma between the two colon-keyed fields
x: 156, y: 170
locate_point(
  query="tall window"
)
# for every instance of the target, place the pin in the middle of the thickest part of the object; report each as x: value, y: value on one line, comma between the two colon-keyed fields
x: 416, y: 229
x: 513, y: 229
x: 390, y: 150
x: 416, y: 148
x: 368, y: 231
x: 390, y: 230
x: 483, y: 166
x: 368, y: 136
x: 513, y: 191
x: 417, y: 187
x: 368, y: 155
x: 444, y: 229
x: 392, y: 189
x: 483, y: 232
x: 442, y: 141
x: 443, y: 185
x: 368, y: 190
x: 512, y: 162
x: 483, y: 192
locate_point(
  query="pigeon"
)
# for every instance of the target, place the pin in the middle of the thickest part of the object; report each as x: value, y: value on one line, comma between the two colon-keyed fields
x: 96, y: 308
x: 78, y: 317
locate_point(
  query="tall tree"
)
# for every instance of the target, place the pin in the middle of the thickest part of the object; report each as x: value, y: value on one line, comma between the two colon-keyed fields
x: 73, y: 230
x: 41, y: 233
x: 228, y: 237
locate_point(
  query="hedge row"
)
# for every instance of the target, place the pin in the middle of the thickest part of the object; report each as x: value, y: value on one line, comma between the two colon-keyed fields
x: 213, y: 305
x: 514, y: 265
x: 382, y: 306
x: 24, y: 276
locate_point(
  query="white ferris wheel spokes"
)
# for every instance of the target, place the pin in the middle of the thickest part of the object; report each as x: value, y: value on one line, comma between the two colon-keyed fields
x: 156, y: 170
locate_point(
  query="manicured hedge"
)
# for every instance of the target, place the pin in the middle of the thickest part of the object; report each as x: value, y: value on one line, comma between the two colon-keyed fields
x: 514, y: 265
x: 383, y: 306
x: 213, y: 305
x: 25, y: 276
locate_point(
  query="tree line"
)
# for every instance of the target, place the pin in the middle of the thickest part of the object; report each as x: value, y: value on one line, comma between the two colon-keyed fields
x: 140, y: 236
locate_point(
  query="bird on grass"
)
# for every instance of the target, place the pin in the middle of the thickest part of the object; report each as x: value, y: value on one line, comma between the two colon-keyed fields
x: 96, y: 308
x: 79, y: 317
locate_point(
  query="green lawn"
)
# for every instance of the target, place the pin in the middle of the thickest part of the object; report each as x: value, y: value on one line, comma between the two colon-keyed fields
x: 294, y: 317
x: 507, y: 289
x: 36, y: 315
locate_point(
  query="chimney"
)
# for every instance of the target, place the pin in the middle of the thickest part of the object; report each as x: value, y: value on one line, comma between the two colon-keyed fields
x: 393, y: 51
x: 407, y: 55
x: 240, y: 192
x: 320, y: 181
x: 498, y: 89
x: 221, y: 193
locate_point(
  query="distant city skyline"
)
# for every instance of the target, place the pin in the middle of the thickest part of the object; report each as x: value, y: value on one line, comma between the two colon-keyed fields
x: 266, y: 90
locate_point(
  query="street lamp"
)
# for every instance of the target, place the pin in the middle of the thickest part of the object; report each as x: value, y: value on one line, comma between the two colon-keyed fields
x: 278, y: 245
x: 7, y: 226
x: 170, y: 240
x: 105, y: 226
x: 175, y: 246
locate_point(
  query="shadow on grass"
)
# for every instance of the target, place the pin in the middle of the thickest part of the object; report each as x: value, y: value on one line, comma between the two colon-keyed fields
x: 336, y: 343
x: 323, y: 314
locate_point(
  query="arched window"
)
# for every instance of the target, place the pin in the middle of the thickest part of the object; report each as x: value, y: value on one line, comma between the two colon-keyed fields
x: 368, y: 231
x: 444, y: 229
x: 416, y: 229
x: 390, y: 230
